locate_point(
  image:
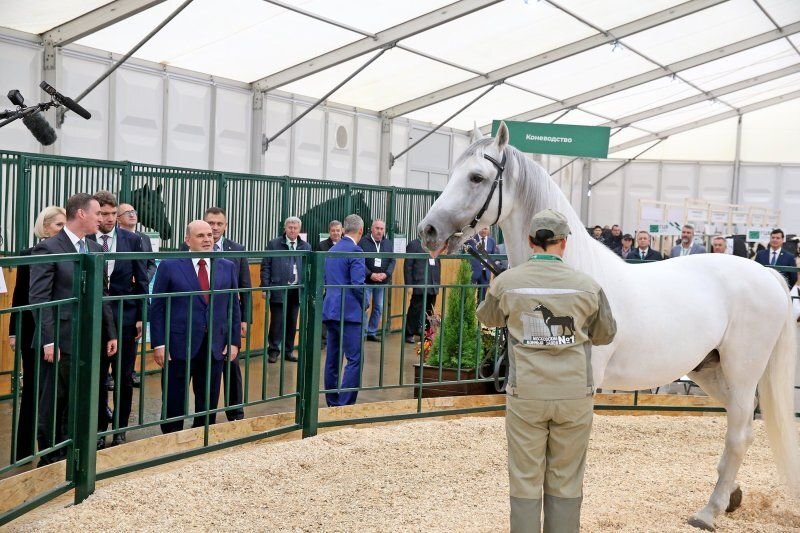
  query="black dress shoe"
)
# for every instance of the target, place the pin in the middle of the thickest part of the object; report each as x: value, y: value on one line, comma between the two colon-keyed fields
x: 136, y: 381
x: 291, y: 357
x: 373, y: 338
x: 410, y: 340
x: 101, y: 443
x: 273, y: 358
x: 118, y: 439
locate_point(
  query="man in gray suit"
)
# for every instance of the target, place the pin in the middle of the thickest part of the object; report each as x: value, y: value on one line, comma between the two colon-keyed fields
x: 687, y: 245
x: 127, y: 219
x: 51, y: 282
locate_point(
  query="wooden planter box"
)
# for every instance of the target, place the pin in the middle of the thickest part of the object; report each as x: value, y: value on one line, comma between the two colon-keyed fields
x: 430, y: 374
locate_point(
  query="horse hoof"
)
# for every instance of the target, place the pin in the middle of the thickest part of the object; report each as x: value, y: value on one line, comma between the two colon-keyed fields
x: 700, y: 524
x: 736, y: 500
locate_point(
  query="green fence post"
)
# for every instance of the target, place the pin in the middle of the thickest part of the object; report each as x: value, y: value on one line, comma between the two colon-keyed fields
x: 222, y: 190
x: 87, y: 359
x: 313, y: 346
x: 126, y: 184
x: 22, y: 208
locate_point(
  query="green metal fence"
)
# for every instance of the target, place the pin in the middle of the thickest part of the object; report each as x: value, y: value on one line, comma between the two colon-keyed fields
x: 167, y: 198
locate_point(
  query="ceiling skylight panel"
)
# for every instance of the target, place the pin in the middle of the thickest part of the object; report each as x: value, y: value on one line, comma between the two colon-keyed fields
x: 783, y: 11
x: 500, y: 35
x: 242, y: 39
x: 43, y: 15
x: 749, y: 63
x: 395, y: 77
x: 503, y: 101
x: 764, y: 91
x: 701, y: 32
x: 580, y: 73
x: 646, y: 96
x: 575, y: 117
x: 682, y: 116
x: 608, y: 14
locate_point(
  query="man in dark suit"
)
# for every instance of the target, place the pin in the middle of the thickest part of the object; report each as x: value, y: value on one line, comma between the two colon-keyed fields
x: 420, y: 272
x: 54, y: 281
x: 775, y: 255
x: 643, y: 251
x: 211, y: 329
x: 217, y: 219
x: 379, y: 275
x: 334, y: 236
x: 480, y: 274
x: 284, y: 304
x: 125, y: 278
x: 127, y: 219
x: 344, y: 329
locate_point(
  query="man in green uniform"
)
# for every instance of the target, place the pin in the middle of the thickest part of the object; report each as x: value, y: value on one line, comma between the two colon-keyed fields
x: 554, y: 314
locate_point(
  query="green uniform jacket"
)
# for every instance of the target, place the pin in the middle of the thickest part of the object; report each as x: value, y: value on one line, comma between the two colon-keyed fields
x: 554, y: 314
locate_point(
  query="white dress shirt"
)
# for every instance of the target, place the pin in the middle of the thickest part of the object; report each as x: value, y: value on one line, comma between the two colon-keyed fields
x: 112, y: 247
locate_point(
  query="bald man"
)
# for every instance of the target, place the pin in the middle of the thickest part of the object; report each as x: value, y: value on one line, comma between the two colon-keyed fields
x: 186, y: 349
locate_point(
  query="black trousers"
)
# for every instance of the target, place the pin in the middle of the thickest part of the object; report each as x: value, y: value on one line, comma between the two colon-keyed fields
x: 123, y: 385
x: 278, y: 316
x: 53, y: 398
x: 233, y: 380
x: 173, y: 387
x: 415, y: 318
x: 27, y: 402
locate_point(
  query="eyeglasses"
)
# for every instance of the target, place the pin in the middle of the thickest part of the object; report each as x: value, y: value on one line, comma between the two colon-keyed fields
x: 129, y: 212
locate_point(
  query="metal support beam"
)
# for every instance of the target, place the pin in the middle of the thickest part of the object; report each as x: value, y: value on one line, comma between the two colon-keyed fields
x: 363, y: 46
x: 710, y: 95
x: 257, y: 133
x: 737, y: 163
x: 500, y: 75
x: 626, y: 163
x: 96, y: 20
x: 655, y: 74
x: 385, y: 169
x: 706, y: 121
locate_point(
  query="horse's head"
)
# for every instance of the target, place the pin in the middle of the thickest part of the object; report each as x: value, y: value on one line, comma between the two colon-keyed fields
x: 151, y: 210
x: 469, y: 188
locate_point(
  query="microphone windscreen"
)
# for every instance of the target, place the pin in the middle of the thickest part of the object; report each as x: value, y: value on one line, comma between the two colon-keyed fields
x: 40, y: 128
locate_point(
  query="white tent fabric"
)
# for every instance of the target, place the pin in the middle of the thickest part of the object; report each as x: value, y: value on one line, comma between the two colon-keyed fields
x: 431, y: 74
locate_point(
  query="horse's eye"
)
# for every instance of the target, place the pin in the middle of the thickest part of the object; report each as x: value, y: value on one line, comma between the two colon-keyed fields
x: 475, y: 178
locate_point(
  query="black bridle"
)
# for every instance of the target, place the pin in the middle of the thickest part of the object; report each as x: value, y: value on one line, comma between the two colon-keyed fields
x: 498, y: 180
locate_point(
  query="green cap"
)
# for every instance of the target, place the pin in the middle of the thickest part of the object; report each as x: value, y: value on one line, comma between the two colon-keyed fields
x: 552, y: 220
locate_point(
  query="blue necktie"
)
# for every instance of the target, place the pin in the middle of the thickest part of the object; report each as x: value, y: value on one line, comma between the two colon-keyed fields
x: 81, y: 247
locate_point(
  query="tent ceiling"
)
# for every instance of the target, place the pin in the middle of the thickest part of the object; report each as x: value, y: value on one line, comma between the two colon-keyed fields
x: 601, y: 59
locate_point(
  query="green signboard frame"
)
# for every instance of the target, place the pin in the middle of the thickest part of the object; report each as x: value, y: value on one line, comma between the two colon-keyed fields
x: 557, y: 139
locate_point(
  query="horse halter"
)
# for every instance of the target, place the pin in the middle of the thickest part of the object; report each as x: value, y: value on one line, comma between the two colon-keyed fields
x: 498, y: 180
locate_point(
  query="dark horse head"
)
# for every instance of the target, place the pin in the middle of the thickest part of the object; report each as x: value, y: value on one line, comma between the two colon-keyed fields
x: 316, y: 219
x: 151, y: 210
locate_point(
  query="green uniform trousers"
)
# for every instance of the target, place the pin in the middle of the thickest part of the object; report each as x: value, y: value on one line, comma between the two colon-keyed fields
x: 547, y: 444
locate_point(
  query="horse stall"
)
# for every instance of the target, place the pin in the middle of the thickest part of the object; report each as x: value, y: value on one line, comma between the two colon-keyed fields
x: 644, y: 473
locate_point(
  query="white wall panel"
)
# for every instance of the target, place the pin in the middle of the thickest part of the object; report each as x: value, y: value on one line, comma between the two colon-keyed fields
x: 431, y: 154
x: 138, y: 116
x: 641, y: 183
x: 341, y: 139
x: 368, y: 150
x: 79, y: 137
x: 417, y: 179
x: 308, y: 143
x: 460, y: 145
x: 759, y: 185
x: 790, y: 199
x: 232, y: 126
x: 397, y: 174
x: 278, y: 159
x: 21, y: 67
x: 715, y: 183
x: 606, y: 200
x: 678, y: 182
x: 188, y: 123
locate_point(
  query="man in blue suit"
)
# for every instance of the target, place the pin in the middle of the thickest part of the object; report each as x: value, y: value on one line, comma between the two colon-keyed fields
x: 480, y: 274
x: 216, y: 329
x: 775, y: 255
x: 125, y: 278
x: 343, y: 313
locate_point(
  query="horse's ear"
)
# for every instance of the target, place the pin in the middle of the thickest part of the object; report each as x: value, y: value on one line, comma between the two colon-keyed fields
x: 501, y: 139
x: 476, y: 133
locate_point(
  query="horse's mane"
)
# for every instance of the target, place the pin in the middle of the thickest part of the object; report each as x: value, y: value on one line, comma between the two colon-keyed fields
x: 535, y: 190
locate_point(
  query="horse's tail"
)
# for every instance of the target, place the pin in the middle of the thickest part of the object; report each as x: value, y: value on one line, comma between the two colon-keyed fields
x: 776, y: 399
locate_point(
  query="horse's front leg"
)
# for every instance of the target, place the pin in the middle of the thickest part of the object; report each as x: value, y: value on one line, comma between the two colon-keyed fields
x: 738, y: 438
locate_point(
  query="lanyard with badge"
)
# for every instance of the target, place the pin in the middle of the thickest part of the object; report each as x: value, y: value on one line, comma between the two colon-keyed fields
x: 377, y: 249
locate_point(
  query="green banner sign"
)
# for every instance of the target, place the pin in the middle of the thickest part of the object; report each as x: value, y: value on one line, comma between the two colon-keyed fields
x: 557, y: 139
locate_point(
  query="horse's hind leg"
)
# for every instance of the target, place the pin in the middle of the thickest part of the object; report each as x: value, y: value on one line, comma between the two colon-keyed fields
x: 739, y: 402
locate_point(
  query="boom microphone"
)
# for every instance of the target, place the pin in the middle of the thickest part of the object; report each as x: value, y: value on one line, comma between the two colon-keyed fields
x: 66, y: 101
x: 40, y: 128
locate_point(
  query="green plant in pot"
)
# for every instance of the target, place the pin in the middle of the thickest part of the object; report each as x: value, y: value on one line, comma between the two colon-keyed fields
x: 459, y: 331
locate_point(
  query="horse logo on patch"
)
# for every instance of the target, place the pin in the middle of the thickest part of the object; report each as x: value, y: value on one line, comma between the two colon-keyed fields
x: 543, y: 328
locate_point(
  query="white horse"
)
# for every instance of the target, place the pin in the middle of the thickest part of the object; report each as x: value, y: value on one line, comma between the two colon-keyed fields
x: 723, y: 320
